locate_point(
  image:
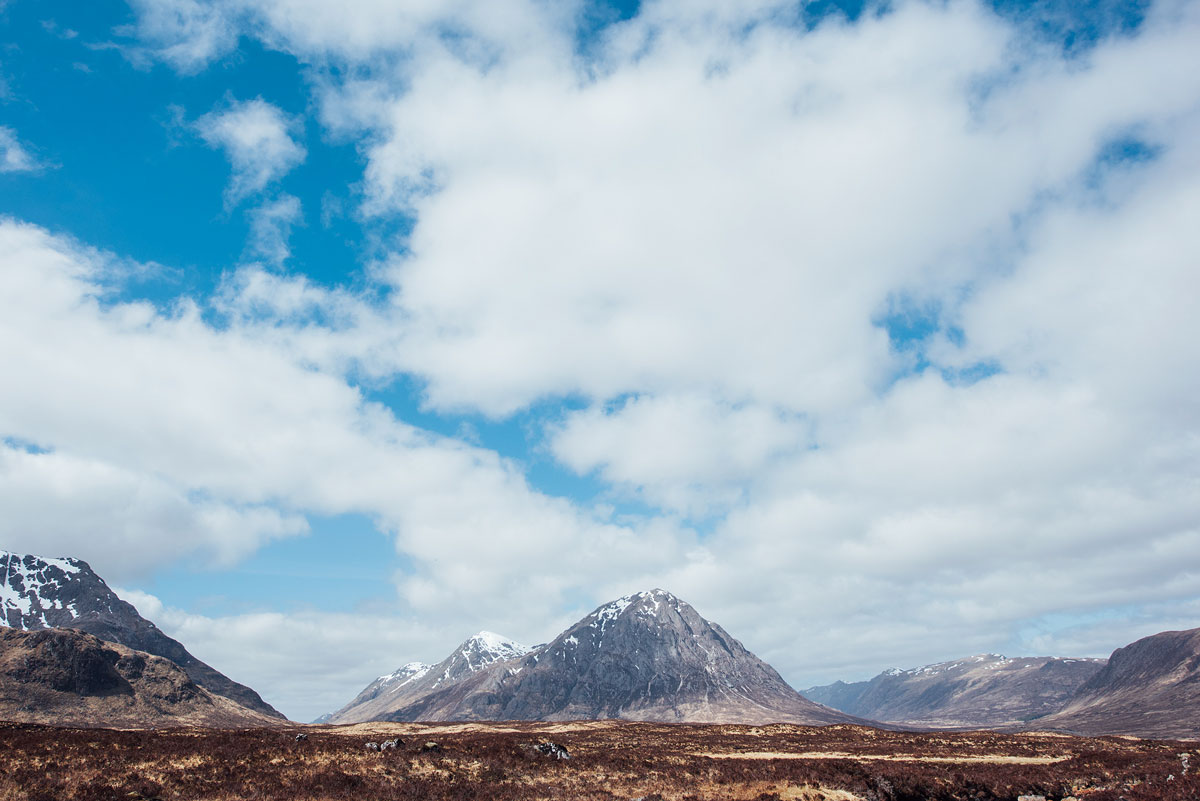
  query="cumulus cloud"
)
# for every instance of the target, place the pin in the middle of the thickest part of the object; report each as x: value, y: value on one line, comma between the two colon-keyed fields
x: 744, y: 236
x: 62, y: 505
x: 257, y: 137
x: 14, y: 157
x: 210, y: 421
x: 686, y: 454
x: 699, y: 234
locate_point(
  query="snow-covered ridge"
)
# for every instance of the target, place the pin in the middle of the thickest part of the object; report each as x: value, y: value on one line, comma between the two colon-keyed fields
x: 613, y: 610
x: 65, y: 564
x: 407, y: 673
x: 487, y: 647
x: 31, y: 586
x: 987, y: 661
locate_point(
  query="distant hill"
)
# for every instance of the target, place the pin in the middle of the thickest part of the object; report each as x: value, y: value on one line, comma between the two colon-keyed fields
x: 1150, y: 688
x: 986, y: 690
x: 39, y: 593
x: 66, y: 677
x: 648, y: 656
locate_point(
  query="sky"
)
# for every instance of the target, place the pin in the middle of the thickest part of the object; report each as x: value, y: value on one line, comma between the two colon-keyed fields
x: 331, y: 334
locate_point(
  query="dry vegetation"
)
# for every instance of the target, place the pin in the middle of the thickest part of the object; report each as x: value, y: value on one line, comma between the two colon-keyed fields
x: 609, y: 761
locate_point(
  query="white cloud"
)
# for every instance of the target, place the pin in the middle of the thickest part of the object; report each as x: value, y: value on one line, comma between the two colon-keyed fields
x: 271, y: 226
x: 187, y: 34
x: 258, y: 139
x: 127, y: 522
x: 715, y: 225
x: 14, y: 157
x: 739, y: 238
x: 227, y: 421
x: 362, y: 30
x: 687, y: 454
x: 720, y: 218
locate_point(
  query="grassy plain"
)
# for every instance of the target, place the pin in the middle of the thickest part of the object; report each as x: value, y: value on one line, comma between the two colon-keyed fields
x: 609, y: 760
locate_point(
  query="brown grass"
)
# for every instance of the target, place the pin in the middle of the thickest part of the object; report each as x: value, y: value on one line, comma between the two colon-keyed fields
x: 610, y: 760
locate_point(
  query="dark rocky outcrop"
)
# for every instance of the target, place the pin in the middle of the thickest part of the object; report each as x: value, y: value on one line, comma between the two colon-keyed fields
x: 39, y: 593
x: 66, y: 677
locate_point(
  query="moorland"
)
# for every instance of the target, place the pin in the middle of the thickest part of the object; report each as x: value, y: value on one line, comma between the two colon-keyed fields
x: 608, y: 760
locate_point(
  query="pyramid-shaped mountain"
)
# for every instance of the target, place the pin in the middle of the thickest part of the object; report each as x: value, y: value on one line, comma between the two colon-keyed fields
x: 39, y: 593
x: 648, y: 656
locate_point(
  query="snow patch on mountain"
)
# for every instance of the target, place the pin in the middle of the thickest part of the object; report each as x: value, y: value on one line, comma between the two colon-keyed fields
x: 32, y: 586
x: 406, y: 673
x: 611, y: 611
x: 487, y: 647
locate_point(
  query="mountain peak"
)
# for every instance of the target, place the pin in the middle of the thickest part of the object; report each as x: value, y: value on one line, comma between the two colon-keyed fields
x: 38, y: 593
x: 644, y: 656
x: 32, y: 592
x: 476, y: 654
x: 494, y: 641
x: 486, y: 647
x: 648, y: 602
x: 406, y: 672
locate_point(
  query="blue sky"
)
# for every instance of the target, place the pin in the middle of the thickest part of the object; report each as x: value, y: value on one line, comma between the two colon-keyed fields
x: 862, y: 326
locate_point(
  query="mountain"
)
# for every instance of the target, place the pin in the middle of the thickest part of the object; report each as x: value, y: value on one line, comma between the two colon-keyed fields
x: 1150, y: 688
x: 65, y: 677
x: 39, y: 593
x: 985, y: 690
x: 648, y: 656
x: 417, y: 680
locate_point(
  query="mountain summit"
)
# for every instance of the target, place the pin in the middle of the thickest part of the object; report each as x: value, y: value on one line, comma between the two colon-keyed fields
x: 416, y: 680
x: 39, y: 593
x: 647, y: 656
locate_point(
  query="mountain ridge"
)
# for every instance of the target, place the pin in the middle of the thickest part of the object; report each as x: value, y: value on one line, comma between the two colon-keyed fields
x: 982, y: 690
x: 645, y: 656
x: 416, y: 679
x: 1148, y: 688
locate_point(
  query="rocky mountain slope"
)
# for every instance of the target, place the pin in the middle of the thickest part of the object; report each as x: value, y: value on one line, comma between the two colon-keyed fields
x: 416, y: 680
x: 65, y: 677
x: 648, y: 656
x: 1150, y: 688
x: 38, y: 593
x: 986, y: 690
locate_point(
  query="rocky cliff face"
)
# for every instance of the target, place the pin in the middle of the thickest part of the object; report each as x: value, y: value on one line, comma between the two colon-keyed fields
x: 986, y: 690
x: 648, y: 656
x: 65, y: 677
x: 1150, y: 688
x: 39, y: 593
